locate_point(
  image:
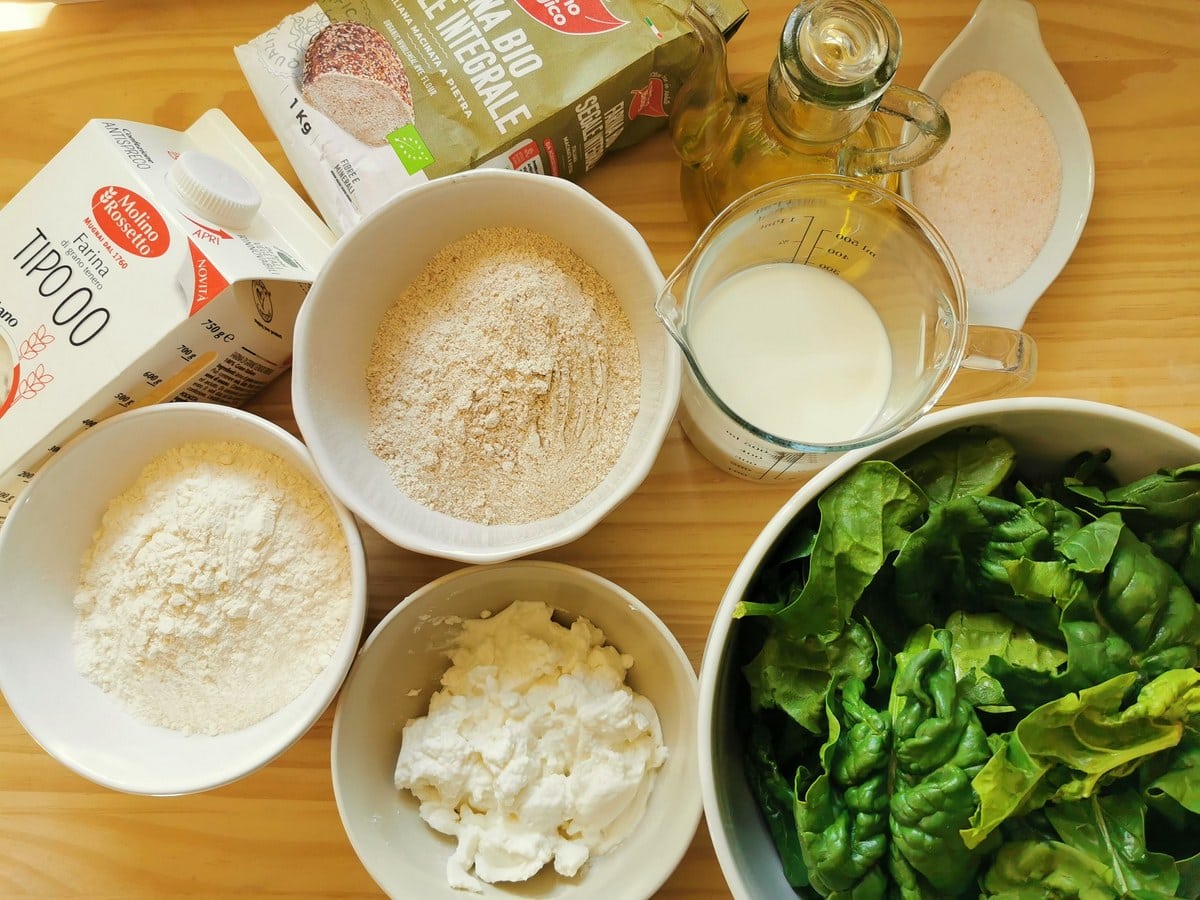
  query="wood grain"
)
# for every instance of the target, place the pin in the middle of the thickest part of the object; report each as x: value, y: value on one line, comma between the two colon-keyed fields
x: 1121, y: 325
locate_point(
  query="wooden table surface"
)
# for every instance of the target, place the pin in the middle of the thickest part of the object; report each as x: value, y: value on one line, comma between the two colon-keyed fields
x: 1121, y: 325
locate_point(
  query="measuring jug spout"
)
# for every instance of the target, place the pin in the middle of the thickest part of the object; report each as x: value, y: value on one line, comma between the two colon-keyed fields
x: 670, y: 305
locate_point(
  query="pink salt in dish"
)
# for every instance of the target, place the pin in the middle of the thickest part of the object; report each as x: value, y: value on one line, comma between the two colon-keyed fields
x: 993, y: 191
x: 1003, y: 37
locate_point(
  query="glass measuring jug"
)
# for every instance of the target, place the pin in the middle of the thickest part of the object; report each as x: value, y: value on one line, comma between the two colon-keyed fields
x: 818, y: 314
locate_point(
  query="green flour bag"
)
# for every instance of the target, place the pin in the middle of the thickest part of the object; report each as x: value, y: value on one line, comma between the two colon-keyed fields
x: 371, y: 97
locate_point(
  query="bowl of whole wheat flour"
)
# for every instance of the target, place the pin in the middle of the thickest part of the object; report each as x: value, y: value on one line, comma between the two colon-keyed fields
x: 183, y: 599
x: 479, y: 372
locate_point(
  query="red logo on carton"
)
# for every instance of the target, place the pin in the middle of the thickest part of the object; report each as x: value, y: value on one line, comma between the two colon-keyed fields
x: 551, y: 154
x: 573, y: 16
x: 648, y: 101
x: 131, y: 222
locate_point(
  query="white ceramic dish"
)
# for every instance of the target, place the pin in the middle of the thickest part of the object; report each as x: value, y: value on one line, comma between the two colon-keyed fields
x: 1043, y: 430
x: 1003, y: 36
x: 369, y: 268
x: 399, y: 668
x: 42, y: 544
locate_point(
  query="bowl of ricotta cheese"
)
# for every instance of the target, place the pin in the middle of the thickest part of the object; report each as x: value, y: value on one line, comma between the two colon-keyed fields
x: 519, y: 729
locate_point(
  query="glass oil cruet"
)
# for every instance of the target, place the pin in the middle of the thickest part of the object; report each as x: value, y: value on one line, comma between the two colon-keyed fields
x: 823, y: 107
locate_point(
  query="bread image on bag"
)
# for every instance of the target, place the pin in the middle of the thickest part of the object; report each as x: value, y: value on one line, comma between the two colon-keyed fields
x: 353, y: 75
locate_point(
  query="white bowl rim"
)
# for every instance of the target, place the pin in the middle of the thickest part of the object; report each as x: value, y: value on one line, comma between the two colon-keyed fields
x: 691, y: 808
x: 636, y: 472
x: 273, y: 749
x: 723, y: 620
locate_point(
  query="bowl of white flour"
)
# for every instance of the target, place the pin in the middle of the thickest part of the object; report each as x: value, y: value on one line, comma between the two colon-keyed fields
x: 479, y: 372
x: 524, y: 729
x: 183, y: 599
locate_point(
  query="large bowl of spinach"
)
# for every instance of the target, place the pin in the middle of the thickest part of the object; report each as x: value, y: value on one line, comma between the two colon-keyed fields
x: 963, y: 663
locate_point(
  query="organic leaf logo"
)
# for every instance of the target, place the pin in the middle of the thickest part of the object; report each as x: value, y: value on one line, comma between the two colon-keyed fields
x: 411, y: 148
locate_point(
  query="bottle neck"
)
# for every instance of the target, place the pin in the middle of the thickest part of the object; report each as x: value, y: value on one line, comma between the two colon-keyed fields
x: 836, y: 58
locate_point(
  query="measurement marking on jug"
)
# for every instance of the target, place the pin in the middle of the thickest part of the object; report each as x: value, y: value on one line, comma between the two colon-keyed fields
x: 792, y: 220
x: 788, y: 461
x: 843, y: 245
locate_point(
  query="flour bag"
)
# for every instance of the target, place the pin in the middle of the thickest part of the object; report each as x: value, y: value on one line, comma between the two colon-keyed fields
x: 371, y: 97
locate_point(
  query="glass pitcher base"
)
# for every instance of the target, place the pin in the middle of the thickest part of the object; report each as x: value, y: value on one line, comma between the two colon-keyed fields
x: 741, y: 458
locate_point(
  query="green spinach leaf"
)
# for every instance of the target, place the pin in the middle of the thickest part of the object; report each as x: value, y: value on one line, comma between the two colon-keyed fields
x: 1167, y: 497
x: 1112, y: 829
x: 780, y: 581
x: 1065, y: 749
x: 1179, y: 547
x: 1049, y: 870
x: 794, y: 674
x: 965, y: 462
x: 1147, y: 603
x: 939, y: 746
x: 1138, y: 615
x: 864, y: 518
x: 978, y: 637
x: 843, y: 819
x: 958, y: 560
x: 776, y: 800
x: 1172, y: 783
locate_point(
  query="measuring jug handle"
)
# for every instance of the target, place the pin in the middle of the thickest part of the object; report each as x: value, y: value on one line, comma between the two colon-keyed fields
x: 997, y: 361
x: 931, y: 132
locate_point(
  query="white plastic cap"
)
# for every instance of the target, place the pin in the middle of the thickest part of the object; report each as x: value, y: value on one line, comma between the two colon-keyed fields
x: 214, y: 189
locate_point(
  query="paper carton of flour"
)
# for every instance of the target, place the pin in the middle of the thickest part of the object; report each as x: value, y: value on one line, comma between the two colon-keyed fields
x: 142, y: 265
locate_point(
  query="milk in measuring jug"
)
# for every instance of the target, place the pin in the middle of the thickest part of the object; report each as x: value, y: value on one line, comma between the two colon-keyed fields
x: 795, y: 351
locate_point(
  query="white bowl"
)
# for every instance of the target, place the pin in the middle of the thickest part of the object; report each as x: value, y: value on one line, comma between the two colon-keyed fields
x: 365, y: 274
x: 42, y: 544
x: 1043, y: 430
x: 399, y: 668
x: 1003, y: 36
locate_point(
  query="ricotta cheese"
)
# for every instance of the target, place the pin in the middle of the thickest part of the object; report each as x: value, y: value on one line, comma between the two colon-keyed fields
x: 534, y: 750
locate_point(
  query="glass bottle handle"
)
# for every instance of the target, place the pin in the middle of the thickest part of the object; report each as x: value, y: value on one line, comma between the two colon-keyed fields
x: 931, y: 131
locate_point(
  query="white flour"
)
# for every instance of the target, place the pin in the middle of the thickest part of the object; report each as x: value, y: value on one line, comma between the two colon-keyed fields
x: 215, y: 590
x: 504, y: 381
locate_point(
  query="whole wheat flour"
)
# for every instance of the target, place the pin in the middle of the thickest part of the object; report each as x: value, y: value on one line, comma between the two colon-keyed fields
x: 215, y: 590
x: 504, y: 382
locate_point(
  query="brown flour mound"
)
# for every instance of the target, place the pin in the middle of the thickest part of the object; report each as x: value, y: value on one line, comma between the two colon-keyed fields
x: 503, y: 383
